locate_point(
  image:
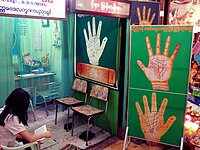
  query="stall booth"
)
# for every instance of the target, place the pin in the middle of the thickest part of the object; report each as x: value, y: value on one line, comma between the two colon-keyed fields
x: 40, y: 55
x: 100, y: 39
x: 187, y: 13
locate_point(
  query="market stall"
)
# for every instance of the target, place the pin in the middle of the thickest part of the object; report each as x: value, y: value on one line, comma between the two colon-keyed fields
x: 187, y: 12
x: 192, y: 123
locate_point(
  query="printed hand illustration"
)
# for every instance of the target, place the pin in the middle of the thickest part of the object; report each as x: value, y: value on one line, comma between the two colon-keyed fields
x: 160, y: 65
x: 152, y: 122
x: 144, y: 20
x: 94, y: 49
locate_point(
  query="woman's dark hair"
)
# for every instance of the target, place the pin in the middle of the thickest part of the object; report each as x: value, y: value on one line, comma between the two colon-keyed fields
x: 16, y: 104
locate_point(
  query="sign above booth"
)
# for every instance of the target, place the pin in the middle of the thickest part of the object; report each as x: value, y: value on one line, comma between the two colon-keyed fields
x: 106, y: 7
x: 49, y: 9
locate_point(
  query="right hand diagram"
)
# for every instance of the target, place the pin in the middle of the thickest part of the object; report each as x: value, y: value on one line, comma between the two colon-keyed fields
x: 144, y: 20
x: 94, y: 48
x: 160, y: 65
x: 152, y: 122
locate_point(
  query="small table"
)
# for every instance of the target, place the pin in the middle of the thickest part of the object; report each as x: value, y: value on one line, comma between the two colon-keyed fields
x: 34, y: 80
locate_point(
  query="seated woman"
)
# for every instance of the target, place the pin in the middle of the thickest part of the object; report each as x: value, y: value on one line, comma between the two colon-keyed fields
x: 13, y: 118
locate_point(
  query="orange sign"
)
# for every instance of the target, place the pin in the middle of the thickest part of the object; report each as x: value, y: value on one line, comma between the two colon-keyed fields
x: 96, y: 73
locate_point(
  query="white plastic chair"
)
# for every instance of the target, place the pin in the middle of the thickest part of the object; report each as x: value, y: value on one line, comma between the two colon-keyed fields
x: 52, y: 92
x: 33, y: 146
x: 31, y: 103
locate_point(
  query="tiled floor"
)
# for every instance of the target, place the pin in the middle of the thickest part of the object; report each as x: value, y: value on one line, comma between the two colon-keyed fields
x: 60, y: 138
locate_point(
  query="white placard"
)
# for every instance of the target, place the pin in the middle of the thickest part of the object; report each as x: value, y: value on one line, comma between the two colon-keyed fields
x: 104, y: 6
x: 36, y: 8
x: 37, y: 40
x: 162, y: 13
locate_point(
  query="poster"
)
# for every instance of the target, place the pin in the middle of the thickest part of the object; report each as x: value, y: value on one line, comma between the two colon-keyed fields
x: 159, y: 72
x: 144, y: 13
x: 97, y: 49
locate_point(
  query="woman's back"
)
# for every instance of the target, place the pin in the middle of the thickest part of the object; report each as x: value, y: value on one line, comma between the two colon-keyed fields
x: 9, y: 132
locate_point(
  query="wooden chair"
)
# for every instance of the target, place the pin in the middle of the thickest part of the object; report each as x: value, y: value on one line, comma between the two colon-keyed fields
x: 33, y: 146
x: 52, y: 92
x: 88, y: 111
x: 79, y: 85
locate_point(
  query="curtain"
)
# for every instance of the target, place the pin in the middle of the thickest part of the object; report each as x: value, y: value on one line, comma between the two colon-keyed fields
x: 7, y: 83
x: 68, y: 54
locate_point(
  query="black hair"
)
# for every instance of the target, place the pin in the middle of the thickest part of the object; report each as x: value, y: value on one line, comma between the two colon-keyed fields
x: 16, y: 104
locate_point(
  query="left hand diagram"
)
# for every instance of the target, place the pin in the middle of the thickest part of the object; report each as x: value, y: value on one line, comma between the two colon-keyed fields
x: 152, y: 122
x: 94, y: 48
x: 145, y: 20
x: 160, y: 65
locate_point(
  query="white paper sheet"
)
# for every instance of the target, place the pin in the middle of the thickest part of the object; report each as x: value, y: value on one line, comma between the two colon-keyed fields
x: 41, y: 130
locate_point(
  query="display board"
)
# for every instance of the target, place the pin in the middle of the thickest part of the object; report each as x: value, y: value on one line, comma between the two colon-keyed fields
x: 159, y: 72
x: 96, y: 50
x: 144, y: 13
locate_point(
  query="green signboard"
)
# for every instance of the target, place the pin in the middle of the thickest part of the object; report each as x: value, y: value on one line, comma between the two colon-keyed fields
x: 97, y: 49
x: 158, y: 72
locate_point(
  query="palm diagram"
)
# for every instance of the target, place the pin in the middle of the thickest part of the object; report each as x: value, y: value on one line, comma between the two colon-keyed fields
x: 94, y: 48
x: 145, y: 20
x: 160, y: 65
x: 152, y: 122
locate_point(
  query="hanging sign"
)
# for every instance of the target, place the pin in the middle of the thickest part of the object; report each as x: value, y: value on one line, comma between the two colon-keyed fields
x: 144, y: 13
x: 108, y: 7
x: 54, y: 9
x: 96, y: 53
